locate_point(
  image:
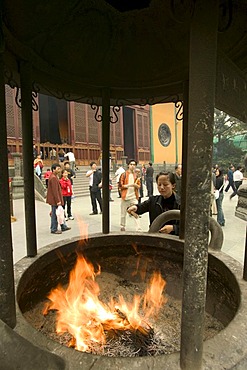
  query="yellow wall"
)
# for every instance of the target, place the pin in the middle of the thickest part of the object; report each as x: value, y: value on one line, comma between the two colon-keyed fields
x: 165, y: 113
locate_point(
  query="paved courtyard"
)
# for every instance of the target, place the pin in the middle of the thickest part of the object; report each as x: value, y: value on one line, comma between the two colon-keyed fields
x: 234, y: 231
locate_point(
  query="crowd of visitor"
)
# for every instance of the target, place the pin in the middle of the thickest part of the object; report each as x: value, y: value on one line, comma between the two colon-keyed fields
x: 59, y: 183
x: 221, y: 183
x: 130, y: 185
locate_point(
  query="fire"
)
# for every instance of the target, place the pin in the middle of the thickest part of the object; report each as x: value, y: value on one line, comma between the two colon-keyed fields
x: 81, y: 313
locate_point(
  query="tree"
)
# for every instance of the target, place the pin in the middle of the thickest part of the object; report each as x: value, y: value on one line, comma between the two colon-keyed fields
x: 225, y: 128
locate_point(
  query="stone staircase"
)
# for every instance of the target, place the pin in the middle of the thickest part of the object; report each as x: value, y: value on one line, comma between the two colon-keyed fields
x: 80, y: 183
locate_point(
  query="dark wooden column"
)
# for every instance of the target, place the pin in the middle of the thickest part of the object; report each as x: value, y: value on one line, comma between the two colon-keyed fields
x: 27, y: 140
x: 202, y: 77
x: 105, y: 159
x: 184, y: 158
x: 245, y: 258
x: 7, y: 291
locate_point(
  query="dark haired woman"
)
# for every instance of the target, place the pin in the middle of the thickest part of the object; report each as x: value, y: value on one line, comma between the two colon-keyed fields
x: 220, y: 186
x: 157, y: 204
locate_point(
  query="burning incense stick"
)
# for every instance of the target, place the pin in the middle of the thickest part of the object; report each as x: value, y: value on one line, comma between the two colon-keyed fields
x: 137, y: 221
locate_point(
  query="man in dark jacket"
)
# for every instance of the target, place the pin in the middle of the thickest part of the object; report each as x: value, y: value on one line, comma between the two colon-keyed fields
x: 95, y: 184
x: 71, y: 173
x: 230, y: 179
x: 149, y: 179
x: 54, y: 198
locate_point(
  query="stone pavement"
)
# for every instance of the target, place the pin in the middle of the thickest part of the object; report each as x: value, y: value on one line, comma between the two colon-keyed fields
x: 234, y: 231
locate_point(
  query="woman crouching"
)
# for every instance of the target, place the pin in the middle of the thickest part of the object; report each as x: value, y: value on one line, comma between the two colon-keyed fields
x: 157, y: 204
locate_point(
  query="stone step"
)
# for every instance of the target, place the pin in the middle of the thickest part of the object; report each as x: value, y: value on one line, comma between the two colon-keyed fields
x: 80, y: 184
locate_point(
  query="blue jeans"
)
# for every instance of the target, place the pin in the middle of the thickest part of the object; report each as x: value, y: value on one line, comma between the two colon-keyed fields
x: 220, y: 214
x: 54, y: 223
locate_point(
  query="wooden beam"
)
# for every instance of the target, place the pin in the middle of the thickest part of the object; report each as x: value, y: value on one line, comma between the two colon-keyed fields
x: 231, y: 88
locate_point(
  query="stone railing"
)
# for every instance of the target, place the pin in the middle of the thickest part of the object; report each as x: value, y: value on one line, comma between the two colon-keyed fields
x: 241, y: 209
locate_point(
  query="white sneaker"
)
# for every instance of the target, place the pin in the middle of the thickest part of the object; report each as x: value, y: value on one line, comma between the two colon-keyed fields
x: 71, y: 218
x: 66, y: 219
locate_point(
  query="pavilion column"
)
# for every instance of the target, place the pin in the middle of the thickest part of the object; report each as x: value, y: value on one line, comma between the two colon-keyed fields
x: 27, y: 140
x: 105, y: 159
x: 201, y: 95
x: 245, y: 258
x: 7, y: 290
x: 184, y: 159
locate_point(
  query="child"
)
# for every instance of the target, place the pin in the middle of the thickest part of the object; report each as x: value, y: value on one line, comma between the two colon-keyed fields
x: 71, y: 176
x: 67, y: 193
x: 46, y: 176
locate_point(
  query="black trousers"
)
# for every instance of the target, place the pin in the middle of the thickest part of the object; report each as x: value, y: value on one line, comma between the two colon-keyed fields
x: 230, y: 184
x: 67, y: 200
x: 150, y: 186
x: 95, y: 195
x: 237, y: 184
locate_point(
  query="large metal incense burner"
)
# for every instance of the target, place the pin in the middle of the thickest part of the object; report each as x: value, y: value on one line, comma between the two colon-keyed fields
x: 226, y: 296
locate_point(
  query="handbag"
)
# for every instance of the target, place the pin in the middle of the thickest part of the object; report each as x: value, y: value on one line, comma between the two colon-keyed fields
x: 217, y: 192
x: 60, y: 215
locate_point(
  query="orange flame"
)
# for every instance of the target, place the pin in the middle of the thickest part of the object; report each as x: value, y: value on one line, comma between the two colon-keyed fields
x: 86, y: 318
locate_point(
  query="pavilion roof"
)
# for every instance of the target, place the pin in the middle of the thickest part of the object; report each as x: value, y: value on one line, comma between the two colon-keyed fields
x: 77, y: 49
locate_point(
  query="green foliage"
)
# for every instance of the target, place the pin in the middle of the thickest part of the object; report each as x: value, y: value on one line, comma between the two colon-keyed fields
x: 226, y: 153
x: 225, y: 128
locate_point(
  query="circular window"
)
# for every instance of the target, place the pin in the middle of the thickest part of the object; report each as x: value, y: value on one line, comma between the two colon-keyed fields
x: 164, y: 134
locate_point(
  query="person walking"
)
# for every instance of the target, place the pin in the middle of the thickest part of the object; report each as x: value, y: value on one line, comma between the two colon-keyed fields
x: 238, y: 178
x: 231, y: 184
x: 220, y: 186
x: 55, y: 199
x: 71, y: 158
x: 157, y: 204
x: 67, y: 194
x: 95, y: 184
x: 149, y: 179
x: 129, y: 186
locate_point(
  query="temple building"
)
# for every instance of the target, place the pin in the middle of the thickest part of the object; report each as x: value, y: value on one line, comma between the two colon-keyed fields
x: 142, y: 132
x: 59, y: 124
